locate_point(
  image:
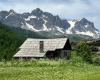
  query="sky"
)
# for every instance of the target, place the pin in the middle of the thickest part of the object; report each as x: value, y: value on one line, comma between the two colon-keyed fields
x: 66, y: 9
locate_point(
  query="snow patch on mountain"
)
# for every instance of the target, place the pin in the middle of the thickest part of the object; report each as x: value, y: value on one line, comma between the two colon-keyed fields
x: 44, y: 26
x: 44, y: 16
x: 59, y: 29
x: 88, y: 33
x: 31, y: 27
x: 72, y: 24
x: 86, y: 26
x: 30, y: 17
x: 10, y: 14
x: 85, y: 33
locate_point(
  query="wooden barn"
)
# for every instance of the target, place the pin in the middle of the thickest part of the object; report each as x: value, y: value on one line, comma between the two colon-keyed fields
x: 45, y: 48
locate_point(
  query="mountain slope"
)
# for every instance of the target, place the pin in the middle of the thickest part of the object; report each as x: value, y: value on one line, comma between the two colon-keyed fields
x: 39, y: 21
x: 11, y: 38
x: 9, y: 42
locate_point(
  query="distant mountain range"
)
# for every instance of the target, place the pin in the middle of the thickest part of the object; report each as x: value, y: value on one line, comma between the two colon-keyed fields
x: 44, y: 22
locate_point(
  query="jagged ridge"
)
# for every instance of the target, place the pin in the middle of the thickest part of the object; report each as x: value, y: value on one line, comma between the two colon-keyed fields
x: 39, y: 21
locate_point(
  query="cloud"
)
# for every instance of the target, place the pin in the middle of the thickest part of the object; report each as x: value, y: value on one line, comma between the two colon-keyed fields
x: 69, y: 9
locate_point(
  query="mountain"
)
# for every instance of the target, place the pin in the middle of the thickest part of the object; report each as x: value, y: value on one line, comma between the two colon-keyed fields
x: 83, y: 27
x: 39, y: 21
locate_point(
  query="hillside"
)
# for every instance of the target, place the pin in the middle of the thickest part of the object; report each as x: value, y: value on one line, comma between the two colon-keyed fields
x: 9, y: 42
x: 11, y: 38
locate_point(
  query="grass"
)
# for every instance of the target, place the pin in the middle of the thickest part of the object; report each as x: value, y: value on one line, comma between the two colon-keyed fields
x: 48, y: 70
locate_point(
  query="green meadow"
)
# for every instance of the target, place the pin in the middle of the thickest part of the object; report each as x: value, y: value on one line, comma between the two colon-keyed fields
x: 48, y: 70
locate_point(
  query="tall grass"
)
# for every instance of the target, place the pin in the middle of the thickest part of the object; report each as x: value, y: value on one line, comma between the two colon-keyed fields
x: 45, y: 69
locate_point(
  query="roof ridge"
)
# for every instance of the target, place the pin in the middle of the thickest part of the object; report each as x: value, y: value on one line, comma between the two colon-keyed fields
x: 47, y: 38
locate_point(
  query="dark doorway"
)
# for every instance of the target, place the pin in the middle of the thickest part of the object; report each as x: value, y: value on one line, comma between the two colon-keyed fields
x: 57, y: 53
x: 50, y: 54
x: 53, y: 54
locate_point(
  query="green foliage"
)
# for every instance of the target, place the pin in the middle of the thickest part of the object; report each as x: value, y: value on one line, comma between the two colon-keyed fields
x: 96, y: 60
x: 27, y: 33
x: 83, y: 50
x: 9, y: 42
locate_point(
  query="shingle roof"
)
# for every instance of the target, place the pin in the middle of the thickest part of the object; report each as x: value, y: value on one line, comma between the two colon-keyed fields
x: 30, y: 48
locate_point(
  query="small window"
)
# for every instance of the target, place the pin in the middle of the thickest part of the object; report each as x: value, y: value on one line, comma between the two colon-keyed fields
x: 41, y: 46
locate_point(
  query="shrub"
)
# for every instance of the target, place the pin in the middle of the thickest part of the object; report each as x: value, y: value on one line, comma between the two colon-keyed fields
x: 83, y: 50
x: 96, y: 60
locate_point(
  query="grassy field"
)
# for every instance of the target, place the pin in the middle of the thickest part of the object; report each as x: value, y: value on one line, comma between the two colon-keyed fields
x: 48, y: 70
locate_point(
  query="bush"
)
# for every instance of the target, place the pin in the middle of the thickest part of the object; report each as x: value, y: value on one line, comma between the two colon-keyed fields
x: 83, y: 50
x: 96, y: 60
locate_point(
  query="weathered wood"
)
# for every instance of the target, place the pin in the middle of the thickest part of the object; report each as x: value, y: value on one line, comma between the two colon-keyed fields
x: 31, y: 47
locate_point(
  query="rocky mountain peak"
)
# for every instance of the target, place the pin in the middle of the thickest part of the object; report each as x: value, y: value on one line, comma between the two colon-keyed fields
x: 38, y: 21
x: 37, y: 12
x: 84, y: 19
x: 11, y: 11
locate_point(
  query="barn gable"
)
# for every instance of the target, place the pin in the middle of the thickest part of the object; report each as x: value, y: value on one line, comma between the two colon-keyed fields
x: 39, y: 47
